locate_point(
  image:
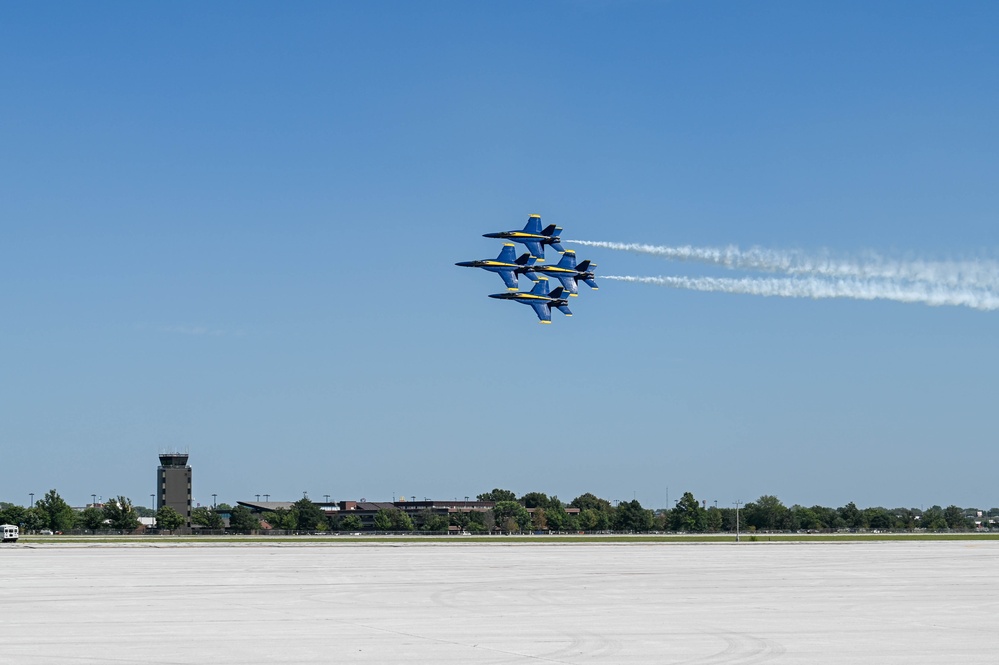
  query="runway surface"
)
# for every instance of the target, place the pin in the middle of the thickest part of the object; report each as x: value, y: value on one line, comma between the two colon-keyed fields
x: 878, y: 602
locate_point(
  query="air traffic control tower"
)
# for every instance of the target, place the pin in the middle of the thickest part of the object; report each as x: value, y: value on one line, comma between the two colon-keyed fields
x: 173, y: 485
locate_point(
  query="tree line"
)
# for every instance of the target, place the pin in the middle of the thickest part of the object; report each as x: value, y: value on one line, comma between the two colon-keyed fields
x: 534, y: 511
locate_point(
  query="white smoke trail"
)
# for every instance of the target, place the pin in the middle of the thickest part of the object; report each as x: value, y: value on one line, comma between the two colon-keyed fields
x: 812, y: 287
x: 971, y: 274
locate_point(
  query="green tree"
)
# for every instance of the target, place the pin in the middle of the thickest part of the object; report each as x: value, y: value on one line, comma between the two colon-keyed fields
x: 538, y: 520
x: 92, y: 518
x: 713, y: 520
x: 687, y: 515
x: 34, y: 519
x: 206, y: 517
x: 401, y: 521
x: 58, y: 514
x: 933, y: 519
x: 497, y: 495
x: 224, y: 508
x: 241, y: 520
x: 169, y: 519
x: 480, y: 521
x: 852, y: 516
x: 460, y: 519
x: 427, y: 520
x: 904, y: 518
x: 593, y: 520
x: 121, y: 514
x: 511, y: 516
x: 11, y: 514
x: 281, y: 519
x: 829, y: 518
x: 308, y: 516
x: 557, y: 517
x: 535, y: 500
x: 805, y: 518
x: 630, y: 516
x: 956, y: 521
x: 591, y: 501
x: 766, y: 513
x: 351, y: 523
x: 878, y: 518
x: 383, y: 520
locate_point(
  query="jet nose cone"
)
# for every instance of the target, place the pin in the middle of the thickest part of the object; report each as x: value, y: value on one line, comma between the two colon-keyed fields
x: 491, y: 235
x: 498, y: 296
x: 464, y: 264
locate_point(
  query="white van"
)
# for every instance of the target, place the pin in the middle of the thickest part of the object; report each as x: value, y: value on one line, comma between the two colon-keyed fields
x: 10, y: 533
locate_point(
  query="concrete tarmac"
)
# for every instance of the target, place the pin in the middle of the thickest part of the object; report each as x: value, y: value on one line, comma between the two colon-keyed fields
x: 876, y: 602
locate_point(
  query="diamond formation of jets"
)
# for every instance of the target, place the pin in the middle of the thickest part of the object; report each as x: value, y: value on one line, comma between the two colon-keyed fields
x: 510, y: 267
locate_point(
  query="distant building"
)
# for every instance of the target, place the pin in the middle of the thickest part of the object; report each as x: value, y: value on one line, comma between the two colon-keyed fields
x: 173, y: 485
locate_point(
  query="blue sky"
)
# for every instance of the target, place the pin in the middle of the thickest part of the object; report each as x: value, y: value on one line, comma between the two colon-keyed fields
x: 232, y: 229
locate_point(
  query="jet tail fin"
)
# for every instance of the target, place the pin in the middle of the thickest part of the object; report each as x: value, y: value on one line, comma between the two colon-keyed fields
x: 506, y: 254
x: 541, y: 288
x: 551, y: 230
x: 568, y: 260
x: 586, y: 266
x: 526, y: 259
x: 533, y: 224
x: 557, y: 292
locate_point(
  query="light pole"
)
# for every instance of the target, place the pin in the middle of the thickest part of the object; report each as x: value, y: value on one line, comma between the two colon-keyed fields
x: 267, y: 497
x: 258, y: 497
x: 32, y: 495
x: 214, y: 504
x: 327, y: 497
x: 93, y: 500
x: 305, y: 495
x: 152, y: 501
x: 737, y: 504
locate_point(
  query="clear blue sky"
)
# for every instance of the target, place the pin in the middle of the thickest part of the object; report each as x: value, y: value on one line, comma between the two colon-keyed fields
x: 231, y: 228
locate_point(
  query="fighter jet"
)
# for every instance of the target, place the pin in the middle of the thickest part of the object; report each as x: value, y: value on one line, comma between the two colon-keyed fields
x: 567, y: 272
x: 505, y: 265
x: 540, y: 300
x: 534, y: 237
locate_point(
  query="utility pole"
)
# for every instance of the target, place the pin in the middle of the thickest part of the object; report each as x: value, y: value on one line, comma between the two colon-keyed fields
x: 737, y: 504
x: 214, y: 502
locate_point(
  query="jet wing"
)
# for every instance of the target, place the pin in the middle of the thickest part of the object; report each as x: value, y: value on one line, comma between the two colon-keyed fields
x: 509, y: 279
x: 535, y: 248
x: 569, y: 282
x: 543, y: 311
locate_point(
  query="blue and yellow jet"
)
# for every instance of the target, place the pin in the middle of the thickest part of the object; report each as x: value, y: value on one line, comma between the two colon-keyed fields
x: 540, y: 300
x: 507, y: 265
x: 534, y: 237
x: 567, y: 272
